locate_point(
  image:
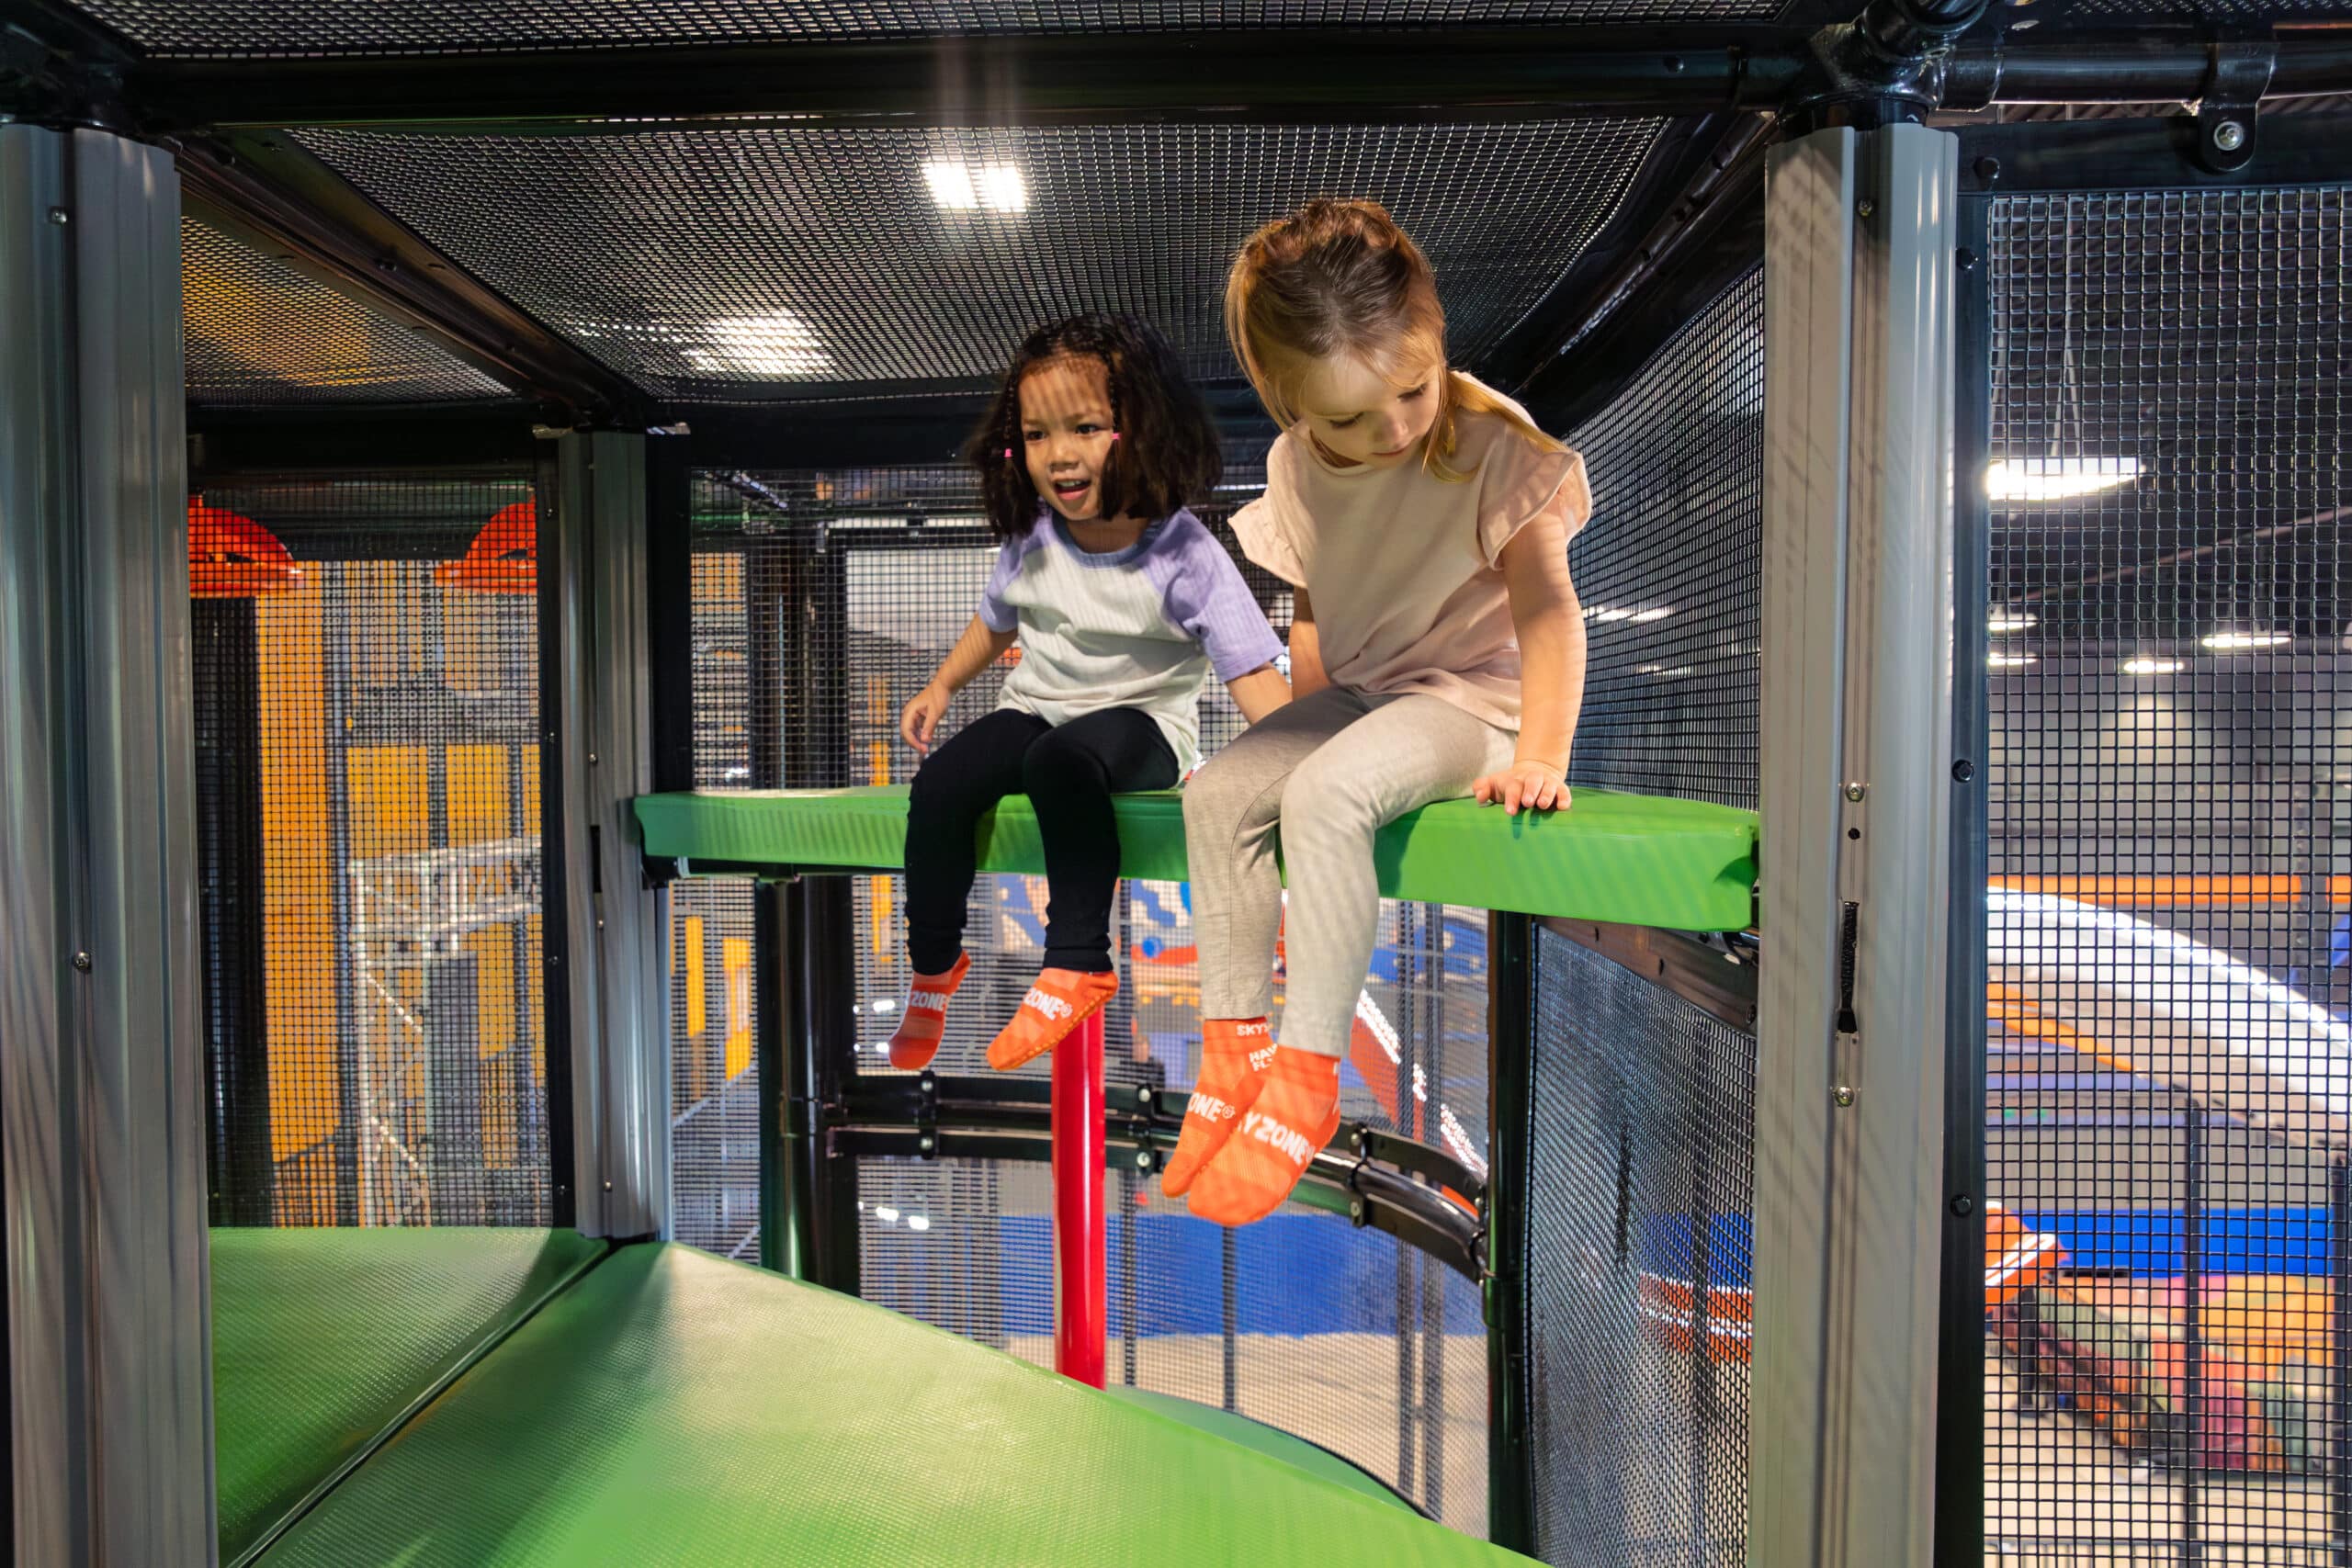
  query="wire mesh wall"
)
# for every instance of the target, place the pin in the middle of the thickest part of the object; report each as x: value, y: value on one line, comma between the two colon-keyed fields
x: 1336, y: 1334
x: 2169, y: 843
x: 822, y: 602
x: 715, y: 1101
x: 366, y: 703
x: 260, y: 334
x: 1643, y: 1167
x: 1670, y: 569
x: 777, y: 260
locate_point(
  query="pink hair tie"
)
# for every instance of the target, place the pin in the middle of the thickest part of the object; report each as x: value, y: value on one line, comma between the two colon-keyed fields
x: 1008, y: 453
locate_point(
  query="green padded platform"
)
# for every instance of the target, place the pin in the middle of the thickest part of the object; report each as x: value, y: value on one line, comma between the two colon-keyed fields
x: 675, y: 1409
x: 1639, y: 859
x: 1271, y: 1441
x: 321, y: 1339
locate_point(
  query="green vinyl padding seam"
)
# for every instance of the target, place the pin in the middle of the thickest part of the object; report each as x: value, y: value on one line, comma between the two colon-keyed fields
x: 1631, y: 858
x: 325, y: 1340
x: 1271, y: 1441
x: 675, y: 1409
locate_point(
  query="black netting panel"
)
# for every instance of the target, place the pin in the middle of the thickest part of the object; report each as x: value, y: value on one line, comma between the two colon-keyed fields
x: 1671, y: 568
x: 715, y: 1081
x: 260, y: 334
x: 368, y: 812
x: 1643, y: 1160
x: 2169, y: 844
x: 472, y: 27
x: 731, y: 263
x: 1302, y: 1321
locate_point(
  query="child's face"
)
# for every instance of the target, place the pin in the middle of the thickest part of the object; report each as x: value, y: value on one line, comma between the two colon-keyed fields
x: 1065, y: 434
x: 1374, y: 414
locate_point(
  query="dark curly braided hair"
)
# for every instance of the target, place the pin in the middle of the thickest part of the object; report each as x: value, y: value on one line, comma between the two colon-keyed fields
x: 1167, y: 453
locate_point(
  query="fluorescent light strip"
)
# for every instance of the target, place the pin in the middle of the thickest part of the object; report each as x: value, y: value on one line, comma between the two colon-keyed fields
x: 2056, y: 479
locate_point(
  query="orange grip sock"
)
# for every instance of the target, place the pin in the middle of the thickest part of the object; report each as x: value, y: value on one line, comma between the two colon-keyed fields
x: 1055, y: 1005
x: 1297, y: 1112
x: 923, y: 1020
x: 1235, y: 1054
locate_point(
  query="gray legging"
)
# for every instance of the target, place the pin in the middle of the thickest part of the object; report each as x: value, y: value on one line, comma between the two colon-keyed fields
x: 1329, y: 769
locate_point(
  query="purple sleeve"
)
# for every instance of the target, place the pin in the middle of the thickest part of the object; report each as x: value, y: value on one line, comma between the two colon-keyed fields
x: 1206, y: 596
x: 999, y: 615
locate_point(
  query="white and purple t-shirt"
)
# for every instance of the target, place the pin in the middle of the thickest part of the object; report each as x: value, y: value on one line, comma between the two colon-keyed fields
x: 1140, y: 627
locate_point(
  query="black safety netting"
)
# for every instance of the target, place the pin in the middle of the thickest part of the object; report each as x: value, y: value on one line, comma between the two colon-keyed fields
x: 1642, y: 1163
x: 755, y: 262
x: 1671, y: 568
x: 2169, y: 1071
x: 267, y: 28
x: 1303, y: 1321
x: 367, y: 706
x: 260, y: 334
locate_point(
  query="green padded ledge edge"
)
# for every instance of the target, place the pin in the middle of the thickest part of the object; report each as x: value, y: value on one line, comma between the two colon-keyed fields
x: 326, y: 1340
x: 672, y: 1407
x: 1632, y: 859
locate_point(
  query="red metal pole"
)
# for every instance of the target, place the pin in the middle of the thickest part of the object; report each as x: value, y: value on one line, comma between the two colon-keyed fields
x: 1080, y: 1232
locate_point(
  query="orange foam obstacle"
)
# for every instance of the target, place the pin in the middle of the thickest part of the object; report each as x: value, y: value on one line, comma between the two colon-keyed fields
x: 231, y: 557
x: 503, y: 557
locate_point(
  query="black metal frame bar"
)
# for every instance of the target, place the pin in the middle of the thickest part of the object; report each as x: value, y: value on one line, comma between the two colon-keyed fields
x: 225, y: 669
x: 1510, y: 1034
x: 1718, y: 981
x: 2038, y: 156
x: 1959, y: 1524
x: 1680, y: 240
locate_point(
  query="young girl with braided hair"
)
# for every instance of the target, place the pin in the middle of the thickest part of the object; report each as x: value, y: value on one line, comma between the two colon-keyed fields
x: 1124, y: 604
x: 1437, y: 651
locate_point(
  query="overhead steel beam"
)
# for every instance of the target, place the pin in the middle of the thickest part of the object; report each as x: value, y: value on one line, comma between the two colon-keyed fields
x: 1259, y: 76
x: 1090, y: 78
x: 264, y: 190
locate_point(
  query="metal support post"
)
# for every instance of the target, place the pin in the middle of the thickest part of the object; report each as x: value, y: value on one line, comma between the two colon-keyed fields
x: 620, y: 1077
x: 1856, y: 796
x: 1079, y: 1229
x: 1510, y: 1030
x: 101, y: 1017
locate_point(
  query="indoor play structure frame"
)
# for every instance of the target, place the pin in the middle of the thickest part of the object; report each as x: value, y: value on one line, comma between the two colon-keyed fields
x: 1868, y: 1222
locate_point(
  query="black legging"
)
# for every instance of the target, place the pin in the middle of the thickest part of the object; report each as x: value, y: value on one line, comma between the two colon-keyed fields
x: 1069, y: 774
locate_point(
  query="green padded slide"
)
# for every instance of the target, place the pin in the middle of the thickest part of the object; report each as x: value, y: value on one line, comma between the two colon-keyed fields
x: 321, y: 1339
x: 675, y: 1409
x: 1271, y: 1441
x: 1638, y: 860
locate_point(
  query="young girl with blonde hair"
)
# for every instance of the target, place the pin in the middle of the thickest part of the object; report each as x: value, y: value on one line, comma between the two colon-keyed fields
x: 1437, y: 651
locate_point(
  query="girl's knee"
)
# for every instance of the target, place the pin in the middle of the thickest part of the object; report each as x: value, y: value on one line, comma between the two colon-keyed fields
x: 1218, y: 797
x: 1057, y: 766
x: 1328, y: 791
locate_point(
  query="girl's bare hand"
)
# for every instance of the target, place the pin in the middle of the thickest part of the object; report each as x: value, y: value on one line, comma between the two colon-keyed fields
x: 1530, y: 785
x: 919, y: 721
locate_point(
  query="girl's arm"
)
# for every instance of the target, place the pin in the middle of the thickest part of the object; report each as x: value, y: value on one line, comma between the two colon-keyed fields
x: 1306, y: 676
x: 1550, y: 624
x: 981, y: 646
x: 1258, y: 692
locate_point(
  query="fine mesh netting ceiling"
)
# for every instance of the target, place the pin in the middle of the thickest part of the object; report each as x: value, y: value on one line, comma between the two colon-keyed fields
x: 260, y: 334
x: 758, y: 262
x: 263, y: 28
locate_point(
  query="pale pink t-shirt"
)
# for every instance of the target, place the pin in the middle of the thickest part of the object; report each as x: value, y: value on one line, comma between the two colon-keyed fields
x: 1403, y: 568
